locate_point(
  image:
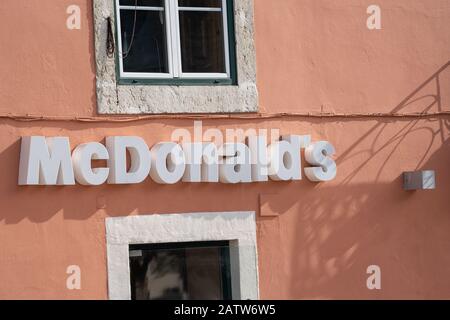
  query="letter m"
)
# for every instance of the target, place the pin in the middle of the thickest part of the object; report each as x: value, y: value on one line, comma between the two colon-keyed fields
x: 45, y: 161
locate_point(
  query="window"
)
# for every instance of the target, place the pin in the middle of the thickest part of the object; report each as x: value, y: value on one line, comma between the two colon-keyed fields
x: 175, y: 41
x: 185, y: 256
x: 180, y: 271
x: 211, y: 72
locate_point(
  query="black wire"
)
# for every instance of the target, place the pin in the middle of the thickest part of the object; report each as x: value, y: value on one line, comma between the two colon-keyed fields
x: 110, y: 46
x: 125, y: 55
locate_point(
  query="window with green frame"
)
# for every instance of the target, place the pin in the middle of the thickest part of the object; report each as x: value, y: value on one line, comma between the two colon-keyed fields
x: 181, y: 271
x: 176, y: 42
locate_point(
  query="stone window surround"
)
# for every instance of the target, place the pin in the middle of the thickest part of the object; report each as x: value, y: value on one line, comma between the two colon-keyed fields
x: 113, y: 98
x: 237, y: 227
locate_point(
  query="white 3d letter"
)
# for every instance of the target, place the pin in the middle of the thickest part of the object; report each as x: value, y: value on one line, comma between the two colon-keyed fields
x: 168, y: 163
x: 202, y: 162
x: 319, y: 154
x: 45, y: 161
x: 82, y: 158
x: 259, y: 158
x: 285, y: 161
x: 117, y: 163
x: 236, y: 167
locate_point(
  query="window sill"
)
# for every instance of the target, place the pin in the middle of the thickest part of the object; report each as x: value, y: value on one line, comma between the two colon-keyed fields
x: 177, y: 82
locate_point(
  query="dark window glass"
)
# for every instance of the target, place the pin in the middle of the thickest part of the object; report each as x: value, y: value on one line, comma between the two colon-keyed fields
x: 147, y: 50
x: 147, y: 3
x: 200, y: 3
x: 190, y: 271
x: 202, y: 42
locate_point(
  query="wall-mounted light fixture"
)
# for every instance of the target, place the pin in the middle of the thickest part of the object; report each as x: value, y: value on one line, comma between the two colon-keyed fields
x: 419, y: 180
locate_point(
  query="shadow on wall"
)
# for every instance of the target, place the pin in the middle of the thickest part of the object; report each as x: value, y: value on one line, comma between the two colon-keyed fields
x: 381, y: 139
x: 333, y: 234
x: 341, y: 230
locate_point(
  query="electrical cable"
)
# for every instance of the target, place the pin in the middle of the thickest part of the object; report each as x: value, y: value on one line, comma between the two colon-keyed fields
x: 251, y: 116
x: 125, y: 55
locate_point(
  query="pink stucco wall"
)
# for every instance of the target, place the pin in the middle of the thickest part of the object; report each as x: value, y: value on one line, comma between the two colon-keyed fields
x: 312, y: 56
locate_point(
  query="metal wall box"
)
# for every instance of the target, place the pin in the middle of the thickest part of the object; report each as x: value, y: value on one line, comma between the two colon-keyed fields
x: 419, y: 180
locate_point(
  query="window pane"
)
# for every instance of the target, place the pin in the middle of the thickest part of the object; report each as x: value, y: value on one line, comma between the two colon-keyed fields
x: 200, y: 3
x: 202, y: 42
x: 192, y: 273
x: 147, y: 3
x: 148, y: 51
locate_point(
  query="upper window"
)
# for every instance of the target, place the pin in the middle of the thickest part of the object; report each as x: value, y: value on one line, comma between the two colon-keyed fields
x: 175, y: 56
x: 175, y: 40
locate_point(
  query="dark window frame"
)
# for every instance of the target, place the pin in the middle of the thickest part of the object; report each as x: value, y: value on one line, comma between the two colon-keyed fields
x: 224, y: 256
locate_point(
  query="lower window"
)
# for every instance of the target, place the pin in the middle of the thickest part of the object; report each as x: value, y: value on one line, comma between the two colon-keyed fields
x: 181, y: 271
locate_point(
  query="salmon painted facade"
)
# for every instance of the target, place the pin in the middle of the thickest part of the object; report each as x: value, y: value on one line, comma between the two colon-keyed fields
x: 349, y: 96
